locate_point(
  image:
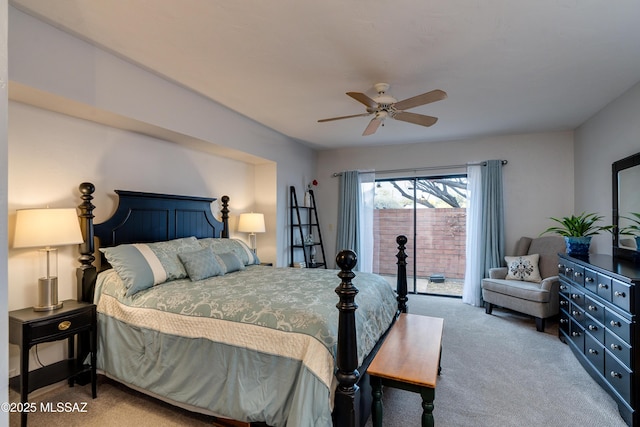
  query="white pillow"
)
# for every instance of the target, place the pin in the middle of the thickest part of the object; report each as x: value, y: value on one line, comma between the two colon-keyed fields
x: 523, y: 268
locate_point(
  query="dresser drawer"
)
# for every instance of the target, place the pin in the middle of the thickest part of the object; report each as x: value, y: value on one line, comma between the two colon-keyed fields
x: 60, y: 326
x: 604, y: 287
x: 594, y: 351
x: 618, y: 325
x: 595, y: 328
x: 618, y: 376
x: 564, y: 288
x: 618, y: 348
x: 594, y: 308
x: 577, y: 296
x: 565, y: 269
x: 577, y: 335
x: 591, y: 280
x: 565, y: 319
x: 621, y: 294
x: 578, y: 275
x: 578, y: 314
x: 564, y: 302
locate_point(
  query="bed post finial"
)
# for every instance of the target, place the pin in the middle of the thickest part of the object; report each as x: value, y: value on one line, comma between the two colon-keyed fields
x: 401, y: 286
x: 225, y: 216
x: 345, y: 413
x: 86, y: 273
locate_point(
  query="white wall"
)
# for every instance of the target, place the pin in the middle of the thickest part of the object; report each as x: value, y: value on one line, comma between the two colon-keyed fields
x: 49, y: 60
x: 538, y: 179
x: 612, y: 134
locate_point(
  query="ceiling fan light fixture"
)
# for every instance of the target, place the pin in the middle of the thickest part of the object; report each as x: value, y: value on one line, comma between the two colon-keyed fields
x: 385, y: 105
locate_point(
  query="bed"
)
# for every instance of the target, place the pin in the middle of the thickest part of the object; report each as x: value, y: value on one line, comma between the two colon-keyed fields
x: 188, y: 315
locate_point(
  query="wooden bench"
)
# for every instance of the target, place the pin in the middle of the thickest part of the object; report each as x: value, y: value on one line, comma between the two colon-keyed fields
x: 409, y: 359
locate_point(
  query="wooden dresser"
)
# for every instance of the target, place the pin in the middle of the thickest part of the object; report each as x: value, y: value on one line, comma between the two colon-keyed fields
x: 598, y: 320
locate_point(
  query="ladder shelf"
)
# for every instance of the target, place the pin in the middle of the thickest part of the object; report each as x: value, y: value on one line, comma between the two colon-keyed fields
x: 305, y: 237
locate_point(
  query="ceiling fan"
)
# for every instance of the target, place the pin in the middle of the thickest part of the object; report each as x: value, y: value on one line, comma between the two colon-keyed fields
x: 385, y: 105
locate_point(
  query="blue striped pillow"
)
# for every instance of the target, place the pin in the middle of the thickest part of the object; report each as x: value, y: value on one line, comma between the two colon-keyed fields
x: 141, y: 265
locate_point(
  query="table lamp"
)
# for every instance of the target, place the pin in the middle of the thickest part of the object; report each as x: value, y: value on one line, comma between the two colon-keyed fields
x: 47, y: 228
x: 251, y: 223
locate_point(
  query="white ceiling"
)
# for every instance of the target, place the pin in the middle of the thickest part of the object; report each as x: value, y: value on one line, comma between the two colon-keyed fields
x: 508, y: 66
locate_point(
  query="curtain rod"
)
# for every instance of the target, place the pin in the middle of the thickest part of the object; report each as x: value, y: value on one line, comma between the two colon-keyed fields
x: 504, y: 162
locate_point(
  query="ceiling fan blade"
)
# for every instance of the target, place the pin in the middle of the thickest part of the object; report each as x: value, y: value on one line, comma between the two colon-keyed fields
x: 418, y: 119
x: 364, y: 99
x: 425, y: 98
x: 344, y: 117
x: 373, y: 126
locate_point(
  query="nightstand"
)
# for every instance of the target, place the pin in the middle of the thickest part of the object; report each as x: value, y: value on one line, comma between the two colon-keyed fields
x: 28, y: 328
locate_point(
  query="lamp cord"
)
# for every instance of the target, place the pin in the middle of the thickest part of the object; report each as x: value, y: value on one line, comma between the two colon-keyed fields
x: 38, y: 356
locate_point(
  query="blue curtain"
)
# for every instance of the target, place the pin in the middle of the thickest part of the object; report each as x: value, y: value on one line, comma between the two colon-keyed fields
x: 485, y: 227
x: 492, y: 216
x: 348, y: 213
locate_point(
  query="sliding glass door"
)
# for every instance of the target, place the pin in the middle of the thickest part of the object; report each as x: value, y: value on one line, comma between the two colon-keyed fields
x: 431, y: 212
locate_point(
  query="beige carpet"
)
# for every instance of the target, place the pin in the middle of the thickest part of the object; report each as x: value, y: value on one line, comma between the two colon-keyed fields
x: 496, y: 371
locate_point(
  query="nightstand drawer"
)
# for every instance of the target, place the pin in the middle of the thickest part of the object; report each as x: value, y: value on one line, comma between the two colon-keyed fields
x: 62, y: 326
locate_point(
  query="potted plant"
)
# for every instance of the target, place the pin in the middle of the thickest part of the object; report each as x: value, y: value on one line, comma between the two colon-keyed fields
x: 578, y: 231
x: 633, y: 229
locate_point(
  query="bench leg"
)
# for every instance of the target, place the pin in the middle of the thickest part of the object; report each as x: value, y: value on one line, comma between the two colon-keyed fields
x: 428, y: 395
x: 376, y: 405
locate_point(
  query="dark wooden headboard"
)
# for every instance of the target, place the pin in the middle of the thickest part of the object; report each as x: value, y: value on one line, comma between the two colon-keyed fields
x: 143, y: 218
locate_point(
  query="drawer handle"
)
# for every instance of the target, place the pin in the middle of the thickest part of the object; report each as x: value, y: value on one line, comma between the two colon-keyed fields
x: 616, y: 347
x: 568, y: 270
x: 63, y: 326
x: 577, y: 274
x: 603, y: 286
x: 592, y: 308
x: 563, y: 287
x: 615, y: 374
x: 592, y: 351
x: 593, y: 328
x: 615, y: 324
x: 575, y: 296
x: 619, y: 294
x: 575, y: 334
x: 563, y: 302
x: 588, y: 279
x: 563, y: 320
x: 575, y: 313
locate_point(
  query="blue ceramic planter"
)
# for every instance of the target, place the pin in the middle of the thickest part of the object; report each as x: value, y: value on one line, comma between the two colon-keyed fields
x: 578, y: 246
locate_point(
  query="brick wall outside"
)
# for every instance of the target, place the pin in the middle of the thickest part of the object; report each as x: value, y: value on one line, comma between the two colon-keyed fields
x: 441, y: 241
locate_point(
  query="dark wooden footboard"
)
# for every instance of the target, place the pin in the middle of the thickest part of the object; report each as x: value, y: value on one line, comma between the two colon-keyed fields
x: 347, y: 404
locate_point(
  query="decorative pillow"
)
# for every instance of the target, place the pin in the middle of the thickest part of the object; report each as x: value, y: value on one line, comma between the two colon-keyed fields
x: 236, y: 246
x: 201, y: 264
x: 230, y: 262
x: 142, y: 265
x: 167, y: 252
x: 523, y: 268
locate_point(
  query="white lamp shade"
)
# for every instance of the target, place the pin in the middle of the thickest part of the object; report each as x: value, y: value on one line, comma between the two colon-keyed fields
x: 251, y: 223
x: 46, y: 227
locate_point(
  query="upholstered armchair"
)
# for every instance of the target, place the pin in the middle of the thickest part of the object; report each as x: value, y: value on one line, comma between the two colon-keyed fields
x: 529, y: 284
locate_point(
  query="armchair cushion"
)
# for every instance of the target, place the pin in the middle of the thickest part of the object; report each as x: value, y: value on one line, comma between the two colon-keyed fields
x: 517, y: 289
x: 523, y: 268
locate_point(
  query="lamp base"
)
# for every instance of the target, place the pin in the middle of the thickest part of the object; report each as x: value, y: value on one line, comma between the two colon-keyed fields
x: 47, y: 294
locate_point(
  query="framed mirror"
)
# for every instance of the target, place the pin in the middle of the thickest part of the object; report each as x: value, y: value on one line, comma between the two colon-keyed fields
x: 626, y: 203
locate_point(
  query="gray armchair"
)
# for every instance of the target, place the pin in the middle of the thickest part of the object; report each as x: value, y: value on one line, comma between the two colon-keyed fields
x: 539, y: 300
